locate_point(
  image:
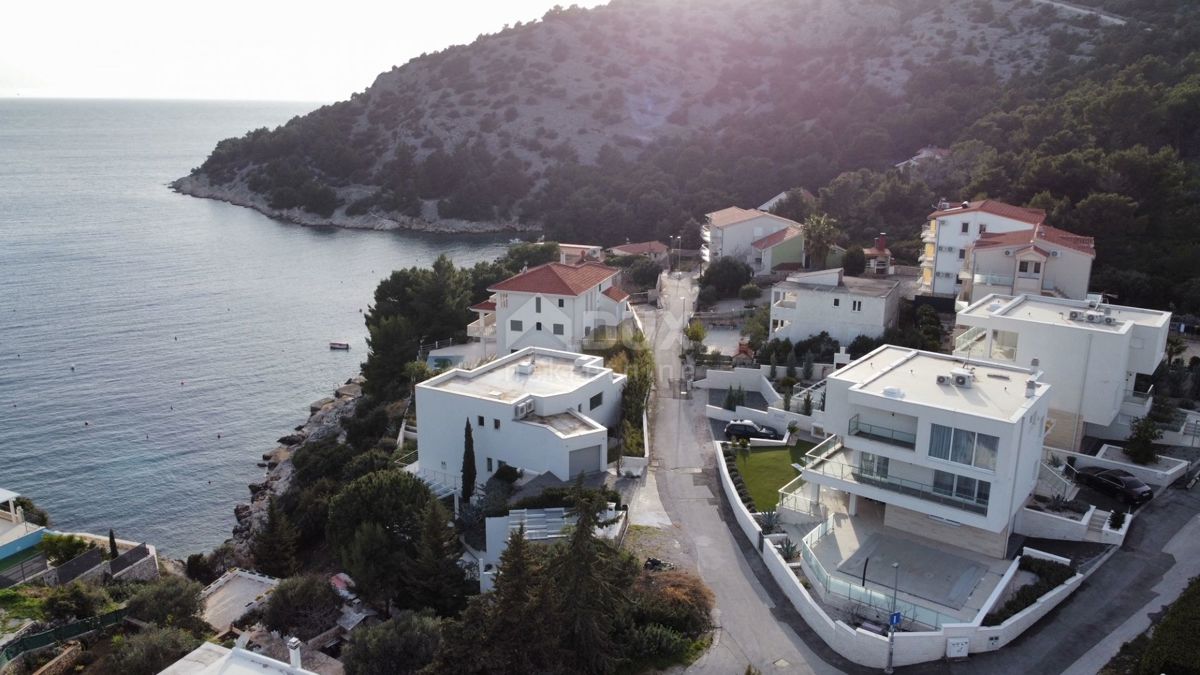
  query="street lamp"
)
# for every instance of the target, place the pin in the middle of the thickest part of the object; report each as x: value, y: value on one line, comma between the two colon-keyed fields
x: 892, y: 618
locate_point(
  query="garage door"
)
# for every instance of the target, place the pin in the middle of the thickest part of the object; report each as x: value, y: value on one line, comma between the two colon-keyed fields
x: 585, y: 460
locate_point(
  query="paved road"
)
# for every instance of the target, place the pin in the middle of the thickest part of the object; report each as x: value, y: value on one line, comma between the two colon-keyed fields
x: 752, y: 630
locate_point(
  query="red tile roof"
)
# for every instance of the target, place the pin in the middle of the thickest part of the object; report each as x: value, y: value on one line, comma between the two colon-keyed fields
x: 485, y: 306
x: 616, y: 294
x: 1041, y: 233
x: 557, y: 279
x: 778, y: 238
x: 1021, y: 213
x: 641, y: 248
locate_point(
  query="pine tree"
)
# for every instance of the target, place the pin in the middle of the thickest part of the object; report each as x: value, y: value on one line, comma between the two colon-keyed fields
x: 522, y: 635
x: 373, y: 561
x: 112, y: 545
x: 433, y: 578
x: 274, y: 548
x: 468, y: 463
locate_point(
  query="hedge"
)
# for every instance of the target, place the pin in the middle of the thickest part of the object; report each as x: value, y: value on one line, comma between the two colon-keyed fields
x: 1050, y: 575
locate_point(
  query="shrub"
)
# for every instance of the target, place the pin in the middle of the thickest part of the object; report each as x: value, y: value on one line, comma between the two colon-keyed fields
x: 675, y: 599
x: 1173, y: 647
x: 563, y: 497
x: 749, y: 292
x: 61, y: 548
x: 73, y: 601
x: 789, y: 550
x: 303, y: 607
x: 1116, y: 520
x: 167, y: 601
x: 150, y: 651
x: 1050, y: 575
x: 507, y: 473
x: 654, y: 640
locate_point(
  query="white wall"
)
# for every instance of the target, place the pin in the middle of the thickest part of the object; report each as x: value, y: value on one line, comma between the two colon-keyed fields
x: 814, y: 312
x: 1070, y: 272
x: 949, y: 234
x: 1049, y: 526
x: 735, y: 240
x: 578, y: 316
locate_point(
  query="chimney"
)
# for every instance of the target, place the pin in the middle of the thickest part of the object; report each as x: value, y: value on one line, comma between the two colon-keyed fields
x: 881, y: 242
x: 293, y: 645
x: 1030, y: 388
x: 1033, y: 363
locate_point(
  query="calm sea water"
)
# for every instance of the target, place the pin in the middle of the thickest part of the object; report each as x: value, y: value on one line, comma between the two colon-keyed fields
x: 137, y: 325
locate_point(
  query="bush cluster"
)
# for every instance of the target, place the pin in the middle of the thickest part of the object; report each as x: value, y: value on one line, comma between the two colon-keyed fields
x: 1050, y: 575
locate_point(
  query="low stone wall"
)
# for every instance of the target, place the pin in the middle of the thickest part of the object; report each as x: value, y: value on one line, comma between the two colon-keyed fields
x: 63, y: 663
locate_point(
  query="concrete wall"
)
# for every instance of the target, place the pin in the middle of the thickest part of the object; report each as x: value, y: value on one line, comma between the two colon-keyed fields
x: 1070, y: 272
x: 22, y: 543
x: 1167, y: 471
x: 814, y: 312
x: 735, y: 240
x: 1049, y: 526
x: 577, y: 315
x: 749, y: 379
x: 950, y: 234
x: 965, y: 536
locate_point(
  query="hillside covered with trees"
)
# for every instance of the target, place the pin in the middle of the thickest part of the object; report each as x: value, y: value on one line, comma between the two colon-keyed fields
x: 634, y: 119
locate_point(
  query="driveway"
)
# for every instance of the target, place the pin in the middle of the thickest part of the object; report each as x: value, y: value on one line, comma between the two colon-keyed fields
x: 751, y: 628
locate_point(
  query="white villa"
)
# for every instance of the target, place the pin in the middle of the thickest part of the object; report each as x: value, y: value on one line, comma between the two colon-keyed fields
x: 951, y: 448
x: 759, y: 239
x: 1089, y: 350
x: 16, y: 533
x: 845, y: 307
x: 213, y: 659
x: 952, y: 230
x: 540, y: 410
x: 1041, y: 261
x: 556, y: 306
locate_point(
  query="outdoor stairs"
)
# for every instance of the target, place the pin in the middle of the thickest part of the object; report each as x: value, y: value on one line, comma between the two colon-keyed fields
x: 1096, y: 524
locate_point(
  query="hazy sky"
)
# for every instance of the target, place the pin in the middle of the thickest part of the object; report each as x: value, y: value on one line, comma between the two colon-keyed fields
x: 225, y: 49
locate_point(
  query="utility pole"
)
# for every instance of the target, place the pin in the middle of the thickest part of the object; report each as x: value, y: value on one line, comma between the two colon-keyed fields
x: 892, y: 622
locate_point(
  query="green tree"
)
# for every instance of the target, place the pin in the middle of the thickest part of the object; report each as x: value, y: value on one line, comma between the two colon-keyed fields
x: 695, y: 331
x: 726, y: 275
x: 820, y: 235
x: 749, y: 292
x: 374, y: 563
x: 806, y: 370
x: 61, y: 548
x: 150, y: 651
x: 854, y: 263
x: 523, y: 635
x: 302, y: 606
x: 274, y: 547
x: 73, y: 601
x: 1176, y: 347
x: 112, y: 545
x: 168, y: 601
x: 468, y: 463
x: 790, y: 362
x: 806, y: 404
x: 393, y: 498
x: 433, y: 577
x: 773, y: 374
x: 33, y: 514
x: 1139, y: 447
x: 399, y: 646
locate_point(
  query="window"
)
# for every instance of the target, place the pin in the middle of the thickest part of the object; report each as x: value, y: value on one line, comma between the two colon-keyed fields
x: 537, y: 305
x: 515, y: 325
x: 1029, y: 267
x: 558, y: 329
x: 596, y: 401
x: 966, y: 228
x: 856, y: 305
x: 982, y: 228
x: 962, y: 254
x: 495, y: 424
x: 561, y: 303
x: 538, y: 325
x: 874, y: 465
x: 963, y: 447
x: 836, y: 302
x: 489, y: 464
x: 479, y: 420
x: 962, y: 487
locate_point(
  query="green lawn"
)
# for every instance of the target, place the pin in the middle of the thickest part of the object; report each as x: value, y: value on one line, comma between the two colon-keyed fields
x: 769, y: 469
x: 20, y: 602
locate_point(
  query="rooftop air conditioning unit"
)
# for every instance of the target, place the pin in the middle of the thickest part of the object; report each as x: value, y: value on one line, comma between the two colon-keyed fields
x: 1075, y: 315
x: 525, y: 367
x: 524, y: 408
x: 1007, y: 252
x: 943, y: 379
x: 1055, y: 254
x: 962, y: 377
x: 582, y: 361
x: 1109, y: 320
x: 1094, y: 317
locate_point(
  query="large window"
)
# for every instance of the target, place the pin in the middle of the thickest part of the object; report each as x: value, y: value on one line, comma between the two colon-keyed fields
x: 596, y: 401
x: 963, y: 447
x: 515, y: 325
x: 874, y: 465
x: 962, y: 487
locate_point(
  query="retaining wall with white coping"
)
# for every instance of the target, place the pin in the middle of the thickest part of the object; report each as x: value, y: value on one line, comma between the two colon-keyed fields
x: 1049, y: 526
x: 749, y: 379
x: 1164, y: 471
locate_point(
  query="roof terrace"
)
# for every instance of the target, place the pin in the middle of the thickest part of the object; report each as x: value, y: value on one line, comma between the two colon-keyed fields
x: 533, y: 370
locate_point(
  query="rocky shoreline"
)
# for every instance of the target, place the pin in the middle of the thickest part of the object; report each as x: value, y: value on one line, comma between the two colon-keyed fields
x: 238, y: 194
x: 323, y: 422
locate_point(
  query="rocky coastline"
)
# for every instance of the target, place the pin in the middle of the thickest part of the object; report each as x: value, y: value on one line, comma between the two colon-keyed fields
x: 324, y: 422
x: 239, y: 194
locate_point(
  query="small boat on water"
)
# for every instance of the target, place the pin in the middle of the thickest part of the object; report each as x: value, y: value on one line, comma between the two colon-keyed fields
x: 344, y: 346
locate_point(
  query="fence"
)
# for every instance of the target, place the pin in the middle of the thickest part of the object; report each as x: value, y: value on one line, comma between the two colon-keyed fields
x: 71, y: 630
x: 128, y: 559
x: 80, y: 565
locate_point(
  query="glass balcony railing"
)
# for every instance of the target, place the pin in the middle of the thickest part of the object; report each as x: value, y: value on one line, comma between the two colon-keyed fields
x: 993, y: 280
x: 875, y: 432
x: 827, y: 462
x: 1139, y: 397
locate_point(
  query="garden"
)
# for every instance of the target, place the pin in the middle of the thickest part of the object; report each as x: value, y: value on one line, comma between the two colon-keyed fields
x: 758, y: 473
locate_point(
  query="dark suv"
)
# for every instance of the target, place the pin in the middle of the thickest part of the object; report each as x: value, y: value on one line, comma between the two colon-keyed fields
x: 748, y: 429
x: 1116, y: 483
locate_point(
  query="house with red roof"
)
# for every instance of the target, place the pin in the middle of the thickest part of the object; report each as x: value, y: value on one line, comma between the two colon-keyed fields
x: 950, y: 232
x: 761, y: 240
x: 555, y: 306
x: 1042, y: 261
x: 654, y: 250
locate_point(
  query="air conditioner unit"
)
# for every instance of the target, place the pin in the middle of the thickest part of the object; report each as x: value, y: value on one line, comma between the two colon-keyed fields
x: 943, y: 379
x: 1074, y: 315
x: 1055, y: 254
x: 524, y: 408
x: 1094, y: 317
x: 962, y: 377
x: 1007, y: 252
x: 1109, y: 320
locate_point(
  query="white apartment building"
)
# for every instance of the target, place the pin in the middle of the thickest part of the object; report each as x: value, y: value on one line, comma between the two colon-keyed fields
x: 556, y: 306
x: 1042, y: 261
x: 951, y: 231
x: 845, y: 307
x: 951, y: 447
x: 538, y: 409
x: 1089, y: 350
x: 761, y: 240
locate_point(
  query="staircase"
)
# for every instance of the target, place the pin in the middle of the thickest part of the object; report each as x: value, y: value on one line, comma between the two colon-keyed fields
x: 1096, y: 524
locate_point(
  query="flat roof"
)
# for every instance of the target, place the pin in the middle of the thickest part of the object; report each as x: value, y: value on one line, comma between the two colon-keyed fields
x: 876, y: 288
x: 533, y: 370
x: 565, y: 423
x: 910, y: 375
x: 7, y: 495
x: 229, y: 597
x: 1041, y: 309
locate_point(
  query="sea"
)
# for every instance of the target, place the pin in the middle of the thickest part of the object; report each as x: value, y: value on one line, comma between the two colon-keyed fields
x: 154, y: 345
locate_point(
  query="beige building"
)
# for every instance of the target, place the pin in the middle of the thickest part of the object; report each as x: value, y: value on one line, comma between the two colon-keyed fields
x: 1042, y: 261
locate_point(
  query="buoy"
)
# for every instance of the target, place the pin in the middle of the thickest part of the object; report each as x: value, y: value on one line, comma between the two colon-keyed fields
x: 181, y: 383
x: 87, y: 424
x: 218, y: 435
x: 72, y: 367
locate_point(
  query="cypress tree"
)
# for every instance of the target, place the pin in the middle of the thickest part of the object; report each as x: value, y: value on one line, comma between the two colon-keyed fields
x: 468, y: 464
x: 112, y: 545
x: 274, y: 548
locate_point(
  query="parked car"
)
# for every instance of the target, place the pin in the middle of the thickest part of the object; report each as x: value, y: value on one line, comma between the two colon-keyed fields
x: 1117, y: 483
x: 748, y: 429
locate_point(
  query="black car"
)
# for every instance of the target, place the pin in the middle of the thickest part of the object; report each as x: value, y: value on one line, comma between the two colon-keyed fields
x: 748, y: 429
x: 1116, y: 483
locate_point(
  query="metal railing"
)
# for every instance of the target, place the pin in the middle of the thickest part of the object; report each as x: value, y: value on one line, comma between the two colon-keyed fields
x: 967, y: 341
x: 832, y: 585
x: 1140, y: 396
x: 875, y: 432
x: 824, y: 464
x: 993, y: 280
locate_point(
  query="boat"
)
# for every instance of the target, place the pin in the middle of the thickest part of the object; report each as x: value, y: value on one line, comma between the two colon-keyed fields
x: 344, y: 346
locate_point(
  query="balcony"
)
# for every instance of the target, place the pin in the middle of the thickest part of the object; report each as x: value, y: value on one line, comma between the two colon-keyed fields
x: 706, y: 234
x: 1137, y: 403
x: 484, y: 328
x: 828, y: 460
x: 972, y: 343
x: 875, y: 432
x: 705, y: 255
x: 928, y: 236
x: 993, y: 280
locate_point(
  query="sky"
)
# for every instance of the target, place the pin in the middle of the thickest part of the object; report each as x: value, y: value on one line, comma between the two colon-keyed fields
x: 232, y: 50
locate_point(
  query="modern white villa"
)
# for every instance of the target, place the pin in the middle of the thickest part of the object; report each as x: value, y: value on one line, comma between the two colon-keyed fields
x: 950, y: 448
x: 845, y: 307
x: 539, y: 410
x: 213, y: 659
x: 952, y: 230
x: 555, y: 305
x: 1041, y: 261
x: 16, y: 533
x: 1090, y: 351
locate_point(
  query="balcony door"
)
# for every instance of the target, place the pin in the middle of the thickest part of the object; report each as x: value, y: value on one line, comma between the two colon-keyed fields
x: 874, y: 466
